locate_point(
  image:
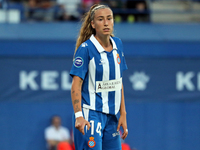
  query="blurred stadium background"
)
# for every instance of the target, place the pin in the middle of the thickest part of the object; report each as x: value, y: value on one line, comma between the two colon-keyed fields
x: 162, y: 85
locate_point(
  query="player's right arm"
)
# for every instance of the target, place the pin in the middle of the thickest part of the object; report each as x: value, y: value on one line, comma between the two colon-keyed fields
x: 76, y: 102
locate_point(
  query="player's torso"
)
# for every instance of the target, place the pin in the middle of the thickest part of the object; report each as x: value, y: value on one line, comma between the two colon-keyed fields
x: 103, y: 79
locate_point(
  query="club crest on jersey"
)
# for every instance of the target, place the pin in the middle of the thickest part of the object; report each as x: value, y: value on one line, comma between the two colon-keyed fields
x: 91, y: 142
x: 78, y: 62
x: 118, y: 59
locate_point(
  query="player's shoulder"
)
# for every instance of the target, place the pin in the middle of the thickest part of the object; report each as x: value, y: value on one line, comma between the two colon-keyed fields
x: 85, y: 45
x: 118, y: 43
x: 117, y: 40
x: 83, y: 49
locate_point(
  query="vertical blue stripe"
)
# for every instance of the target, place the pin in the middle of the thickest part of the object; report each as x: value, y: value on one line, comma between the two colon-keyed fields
x: 85, y: 93
x: 99, y: 76
x: 111, y: 95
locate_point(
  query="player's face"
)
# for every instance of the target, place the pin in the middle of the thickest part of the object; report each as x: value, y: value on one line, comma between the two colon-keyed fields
x: 103, y: 21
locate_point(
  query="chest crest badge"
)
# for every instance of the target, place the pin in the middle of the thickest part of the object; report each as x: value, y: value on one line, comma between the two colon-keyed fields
x: 118, y: 59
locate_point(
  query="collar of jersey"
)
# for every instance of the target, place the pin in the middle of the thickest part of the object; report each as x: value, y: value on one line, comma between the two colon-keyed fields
x: 98, y: 45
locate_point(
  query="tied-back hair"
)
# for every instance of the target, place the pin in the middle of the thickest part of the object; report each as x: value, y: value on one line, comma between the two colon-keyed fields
x: 86, y: 29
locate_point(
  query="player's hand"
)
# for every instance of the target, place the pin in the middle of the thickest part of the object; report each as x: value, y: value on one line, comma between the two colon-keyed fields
x: 122, y: 122
x: 81, y: 123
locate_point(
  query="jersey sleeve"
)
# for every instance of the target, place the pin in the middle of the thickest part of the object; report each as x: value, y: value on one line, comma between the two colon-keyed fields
x: 80, y: 62
x: 124, y: 65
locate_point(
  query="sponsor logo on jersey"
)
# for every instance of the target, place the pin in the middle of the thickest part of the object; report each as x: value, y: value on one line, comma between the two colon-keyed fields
x: 84, y: 44
x: 91, y: 142
x: 78, y: 62
x: 118, y: 59
x: 110, y: 85
x: 102, y: 62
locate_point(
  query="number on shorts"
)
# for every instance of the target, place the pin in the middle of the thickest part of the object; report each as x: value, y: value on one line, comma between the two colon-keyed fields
x: 98, y: 129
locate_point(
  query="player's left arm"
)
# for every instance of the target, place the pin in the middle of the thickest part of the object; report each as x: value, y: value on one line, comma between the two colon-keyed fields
x: 122, y: 120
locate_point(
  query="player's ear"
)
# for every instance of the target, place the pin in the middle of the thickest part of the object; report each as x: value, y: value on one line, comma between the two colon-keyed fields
x: 92, y: 24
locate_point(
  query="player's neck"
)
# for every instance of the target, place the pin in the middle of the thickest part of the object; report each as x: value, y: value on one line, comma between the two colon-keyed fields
x: 105, y: 42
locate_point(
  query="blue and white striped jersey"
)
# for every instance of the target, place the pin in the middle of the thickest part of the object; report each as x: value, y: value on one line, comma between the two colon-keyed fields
x: 101, y: 72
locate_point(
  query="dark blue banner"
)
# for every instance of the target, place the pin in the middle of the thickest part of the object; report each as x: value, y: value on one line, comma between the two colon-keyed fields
x: 35, y: 79
x: 163, y: 79
x: 48, y: 79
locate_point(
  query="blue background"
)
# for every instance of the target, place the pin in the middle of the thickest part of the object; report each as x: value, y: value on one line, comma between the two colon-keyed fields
x: 159, y: 117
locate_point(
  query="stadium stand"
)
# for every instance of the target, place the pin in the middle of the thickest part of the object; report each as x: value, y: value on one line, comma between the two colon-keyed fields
x: 125, y: 10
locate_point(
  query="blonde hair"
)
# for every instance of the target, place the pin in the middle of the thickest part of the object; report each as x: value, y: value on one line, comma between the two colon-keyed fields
x: 86, y: 29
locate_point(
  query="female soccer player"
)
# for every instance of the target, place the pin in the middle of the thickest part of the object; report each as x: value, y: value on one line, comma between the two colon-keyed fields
x: 97, y: 90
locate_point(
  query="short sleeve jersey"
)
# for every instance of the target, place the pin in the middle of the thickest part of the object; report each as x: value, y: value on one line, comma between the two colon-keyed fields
x: 101, y: 72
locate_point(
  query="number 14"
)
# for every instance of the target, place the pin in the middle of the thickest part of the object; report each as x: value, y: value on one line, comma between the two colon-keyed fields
x: 98, y: 129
